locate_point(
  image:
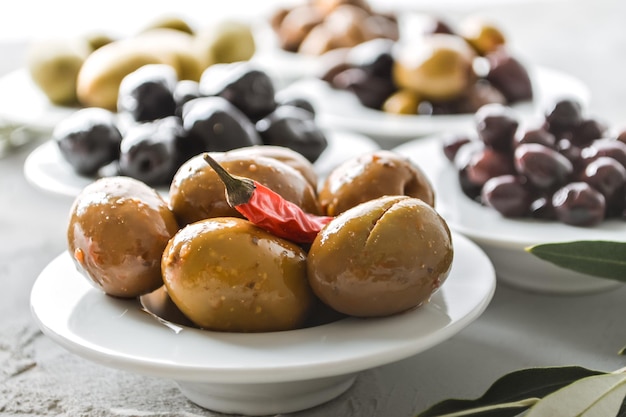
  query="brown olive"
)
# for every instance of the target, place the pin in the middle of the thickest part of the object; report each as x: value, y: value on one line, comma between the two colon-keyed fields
x: 370, y: 176
x: 226, y: 274
x: 117, y: 231
x: 401, y: 102
x: 196, y: 192
x: 381, y: 257
x: 439, y: 67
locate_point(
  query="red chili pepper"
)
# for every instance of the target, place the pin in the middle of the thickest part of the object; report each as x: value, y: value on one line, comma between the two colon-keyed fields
x: 268, y: 209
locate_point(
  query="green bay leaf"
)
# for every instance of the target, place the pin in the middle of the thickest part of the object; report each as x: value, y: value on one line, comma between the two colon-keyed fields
x: 599, y: 258
x: 512, y: 393
x: 594, y: 396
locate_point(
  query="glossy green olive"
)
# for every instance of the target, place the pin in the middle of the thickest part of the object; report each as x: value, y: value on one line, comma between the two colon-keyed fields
x: 117, y: 231
x: 226, y: 274
x: 381, y: 257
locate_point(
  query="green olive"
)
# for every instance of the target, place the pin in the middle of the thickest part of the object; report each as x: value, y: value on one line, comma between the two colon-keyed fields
x: 483, y: 36
x: 381, y: 257
x: 224, y: 42
x: 437, y: 67
x: 117, y: 231
x: 370, y: 176
x: 54, y: 66
x: 226, y: 274
x: 197, y: 193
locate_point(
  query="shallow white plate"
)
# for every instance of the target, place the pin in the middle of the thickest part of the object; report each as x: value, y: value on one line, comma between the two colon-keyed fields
x: 504, y: 239
x: 262, y: 373
x: 46, y: 169
x: 341, y: 109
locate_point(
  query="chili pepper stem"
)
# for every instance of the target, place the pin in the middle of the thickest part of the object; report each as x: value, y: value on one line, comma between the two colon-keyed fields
x: 238, y: 190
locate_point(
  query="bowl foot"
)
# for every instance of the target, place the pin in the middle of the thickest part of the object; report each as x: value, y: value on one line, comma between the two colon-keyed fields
x: 264, y: 399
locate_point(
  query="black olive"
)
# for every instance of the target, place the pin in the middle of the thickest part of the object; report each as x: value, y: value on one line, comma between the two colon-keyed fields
x: 293, y: 128
x: 246, y: 87
x: 88, y: 139
x: 147, y: 93
x: 218, y: 124
x: 185, y: 90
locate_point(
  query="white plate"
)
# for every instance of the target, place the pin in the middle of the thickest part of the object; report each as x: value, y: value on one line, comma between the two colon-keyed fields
x: 46, y: 169
x: 341, y: 109
x: 262, y: 373
x: 504, y: 239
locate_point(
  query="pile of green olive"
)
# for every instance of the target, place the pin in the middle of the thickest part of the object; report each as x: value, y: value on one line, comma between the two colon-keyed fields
x: 226, y: 274
x: 161, y: 121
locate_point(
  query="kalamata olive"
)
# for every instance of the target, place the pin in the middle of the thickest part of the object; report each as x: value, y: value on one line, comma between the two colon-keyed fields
x: 117, y: 232
x: 572, y: 152
x: 452, y: 143
x: 249, y: 89
x: 225, y: 274
x: 88, y: 139
x: 535, y: 135
x: 496, y: 126
x: 587, y: 131
x: 508, y: 195
x: 605, y: 147
x: 609, y: 177
x: 509, y: 76
x: 370, y: 90
x: 478, y: 94
x: 564, y: 114
x: 486, y: 164
x: 578, y: 204
x: 544, y: 167
x: 374, y: 57
x: 218, y: 124
x: 185, y: 90
x: 293, y: 128
x: 147, y: 93
x: 149, y: 151
x: 381, y: 257
x: 621, y: 135
x: 542, y: 208
x: 370, y: 176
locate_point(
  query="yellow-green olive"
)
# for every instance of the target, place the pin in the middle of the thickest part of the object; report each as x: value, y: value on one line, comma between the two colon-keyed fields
x: 226, y: 274
x: 381, y: 257
x: 482, y: 35
x: 117, y: 231
x: 372, y: 175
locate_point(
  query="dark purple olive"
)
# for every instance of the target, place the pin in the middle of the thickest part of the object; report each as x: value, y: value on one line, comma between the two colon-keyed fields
x: 605, y: 147
x: 453, y: 142
x: 496, y: 126
x: 486, y: 164
x: 218, y: 124
x: 374, y: 57
x: 542, y: 208
x: 509, y: 76
x: 536, y: 135
x: 609, y: 177
x: 293, y: 128
x: 371, y: 91
x: 564, y: 114
x: 621, y: 135
x: 185, y: 90
x: 578, y: 204
x: 249, y: 89
x: 88, y: 139
x: 544, y: 167
x: 508, y: 195
x: 147, y: 93
x: 587, y: 131
x: 572, y: 152
x: 149, y: 151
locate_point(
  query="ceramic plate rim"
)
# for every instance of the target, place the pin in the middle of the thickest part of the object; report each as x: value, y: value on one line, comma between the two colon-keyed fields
x: 494, y: 229
x: 341, y: 110
x: 59, y: 320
